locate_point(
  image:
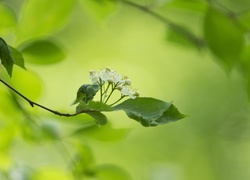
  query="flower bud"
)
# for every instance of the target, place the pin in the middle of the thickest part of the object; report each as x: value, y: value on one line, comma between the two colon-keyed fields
x: 127, y: 82
x: 119, y: 87
x: 136, y: 93
x: 107, y: 69
x: 91, y: 71
x: 110, y: 81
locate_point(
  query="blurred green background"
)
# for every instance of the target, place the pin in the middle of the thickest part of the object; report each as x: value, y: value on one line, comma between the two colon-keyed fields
x: 62, y: 40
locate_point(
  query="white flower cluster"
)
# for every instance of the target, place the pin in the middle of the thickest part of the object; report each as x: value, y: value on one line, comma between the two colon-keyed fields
x: 111, y: 77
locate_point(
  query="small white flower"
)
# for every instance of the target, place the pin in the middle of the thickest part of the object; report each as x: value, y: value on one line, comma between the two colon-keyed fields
x: 117, y: 78
x: 127, y: 92
x: 105, y: 74
x: 127, y: 82
x: 117, y: 82
x: 93, y: 76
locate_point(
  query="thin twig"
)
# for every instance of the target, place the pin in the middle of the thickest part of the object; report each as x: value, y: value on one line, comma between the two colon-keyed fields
x: 104, y: 94
x: 234, y: 16
x: 118, y: 100
x: 230, y: 12
x: 32, y: 103
x: 100, y: 84
x: 65, y: 152
x: 109, y: 95
x: 188, y: 35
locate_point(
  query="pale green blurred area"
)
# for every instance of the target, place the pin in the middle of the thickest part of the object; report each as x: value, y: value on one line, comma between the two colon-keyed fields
x: 212, y: 143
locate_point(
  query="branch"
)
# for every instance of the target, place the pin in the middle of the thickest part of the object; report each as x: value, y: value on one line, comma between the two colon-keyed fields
x: 233, y: 15
x: 32, y: 103
x: 187, y: 34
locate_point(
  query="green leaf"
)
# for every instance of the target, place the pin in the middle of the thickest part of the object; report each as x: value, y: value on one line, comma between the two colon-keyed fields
x: 8, y: 20
x: 43, y: 52
x: 18, y: 57
x: 99, y: 106
x: 223, y: 37
x: 178, y: 38
x: 108, y: 172
x: 86, y: 93
x: 41, y: 18
x: 6, y: 57
x: 93, y: 105
x: 150, y: 111
x: 100, y: 118
x: 170, y: 115
x: 98, y: 9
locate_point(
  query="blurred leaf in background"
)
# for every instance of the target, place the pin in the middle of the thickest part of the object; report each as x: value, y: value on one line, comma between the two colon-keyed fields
x: 40, y: 18
x: 8, y: 20
x: 225, y: 42
x: 61, y: 41
x: 43, y: 52
x: 99, y: 10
